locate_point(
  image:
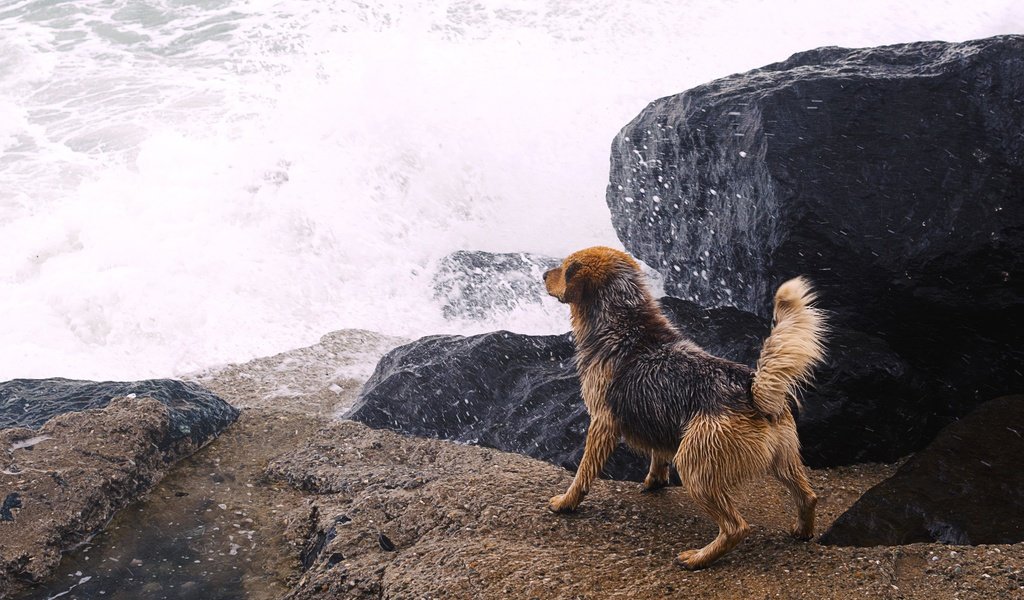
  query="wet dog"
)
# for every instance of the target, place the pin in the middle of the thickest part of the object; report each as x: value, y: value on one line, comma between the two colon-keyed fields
x: 718, y: 422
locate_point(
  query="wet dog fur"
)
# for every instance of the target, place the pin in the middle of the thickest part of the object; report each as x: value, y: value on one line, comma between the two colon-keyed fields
x: 718, y: 422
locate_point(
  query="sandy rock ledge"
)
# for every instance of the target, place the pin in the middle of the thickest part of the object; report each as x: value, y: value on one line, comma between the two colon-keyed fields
x: 398, y: 517
x: 285, y: 505
x: 63, y: 482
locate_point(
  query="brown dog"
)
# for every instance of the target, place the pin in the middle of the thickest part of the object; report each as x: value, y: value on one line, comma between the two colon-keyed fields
x: 717, y: 421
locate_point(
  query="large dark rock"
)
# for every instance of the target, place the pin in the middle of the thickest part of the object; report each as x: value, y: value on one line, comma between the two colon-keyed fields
x: 866, y: 404
x: 72, y: 453
x: 893, y: 177
x: 520, y: 393
x: 502, y: 390
x: 478, y: 285
x: 966, y: 487
x: 194, y: 411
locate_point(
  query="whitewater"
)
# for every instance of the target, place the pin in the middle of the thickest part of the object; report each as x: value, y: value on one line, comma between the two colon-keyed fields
x: 190, y: 183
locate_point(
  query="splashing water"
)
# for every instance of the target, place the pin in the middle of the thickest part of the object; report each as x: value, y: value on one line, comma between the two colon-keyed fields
x: 186, y: 183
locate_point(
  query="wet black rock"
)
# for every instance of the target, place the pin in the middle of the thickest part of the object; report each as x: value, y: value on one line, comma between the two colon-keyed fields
x: 73, y: 453
x: 966, y: 487
x: 194, y: 411
x: 867, y: 404
x: 385, y: 543
x: 478, y: 285
x: 501, y: 390
x: 893, y: 177
x: 521, y: 394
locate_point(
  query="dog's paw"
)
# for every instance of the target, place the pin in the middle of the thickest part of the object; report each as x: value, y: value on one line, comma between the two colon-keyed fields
x: 652, y: 484
x: 689, y: 560
x: 561, y: 504
x: 801, y: 533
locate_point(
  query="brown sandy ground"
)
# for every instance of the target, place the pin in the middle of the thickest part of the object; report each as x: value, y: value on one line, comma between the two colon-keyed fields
x: 468, y: 522
x: 472, y: 523
x: 286, y: 503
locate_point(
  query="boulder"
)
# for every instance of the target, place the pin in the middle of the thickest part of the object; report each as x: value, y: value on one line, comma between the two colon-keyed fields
x: 72, y: 453
x: 477, y: 285
x: 866, y: 404
x: 520, y: 393
x: 966, y: 487
x: 891, y: 176
x: 324, y: 378
x: 502, y: 390
x: 193, y: 410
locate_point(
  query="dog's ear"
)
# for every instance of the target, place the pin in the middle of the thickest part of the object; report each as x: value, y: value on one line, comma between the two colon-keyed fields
x: 575, y: 282
x: 571, y: 270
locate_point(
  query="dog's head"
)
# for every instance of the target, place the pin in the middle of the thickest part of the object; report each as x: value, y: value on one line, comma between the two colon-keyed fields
x: 584, y: 274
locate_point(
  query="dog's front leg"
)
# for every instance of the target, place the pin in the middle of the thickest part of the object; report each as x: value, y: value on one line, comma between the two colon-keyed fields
x: 602, y: 437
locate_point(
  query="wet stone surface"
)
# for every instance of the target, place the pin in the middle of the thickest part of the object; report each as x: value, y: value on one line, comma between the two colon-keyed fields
x: 211, y: 529
x: 287, y: 505
x: 889, y: 176
x: 193, y: 410
x: 60, y: 484
x: 469, y: 522
x: 966, y: 487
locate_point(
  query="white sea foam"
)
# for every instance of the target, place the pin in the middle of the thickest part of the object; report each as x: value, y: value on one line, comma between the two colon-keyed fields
x: 186, y: 184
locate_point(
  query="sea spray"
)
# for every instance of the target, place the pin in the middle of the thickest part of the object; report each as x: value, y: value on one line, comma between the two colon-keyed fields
x: 187, y: 184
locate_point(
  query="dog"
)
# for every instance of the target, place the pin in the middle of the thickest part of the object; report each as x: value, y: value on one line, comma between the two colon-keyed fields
x: 718, y: 422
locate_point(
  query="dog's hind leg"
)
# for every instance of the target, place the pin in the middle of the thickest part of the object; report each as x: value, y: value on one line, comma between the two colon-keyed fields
x: 793, y: 477
x: 657, y: 475
x: 716, y: 454
x: 731, y: 527
x: 789, y: 469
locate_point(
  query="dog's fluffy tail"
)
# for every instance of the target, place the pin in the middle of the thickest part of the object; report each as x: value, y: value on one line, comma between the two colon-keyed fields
x: 792, y: 349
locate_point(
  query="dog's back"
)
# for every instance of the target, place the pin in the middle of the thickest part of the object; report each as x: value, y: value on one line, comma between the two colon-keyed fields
x: 655, y: 393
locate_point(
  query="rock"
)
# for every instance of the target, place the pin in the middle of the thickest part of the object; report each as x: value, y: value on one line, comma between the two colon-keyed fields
x: 966, y: 487
x: 194, y: 410
x: 502, y: 390
x: 213, y: 527
x: 891, y: 176
x: 309, y: 500
x: 726, y: 331
x: 93, y: 455
x: 477, y: 285
x: 477, y: 526
x: 324, y: 378
x: 11, y: 502
x: 520, y: 393
x: 866, y: 405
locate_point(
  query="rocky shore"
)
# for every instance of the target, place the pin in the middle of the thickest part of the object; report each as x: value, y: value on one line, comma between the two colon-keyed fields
x: 285, y: 503
x: 248, y: 481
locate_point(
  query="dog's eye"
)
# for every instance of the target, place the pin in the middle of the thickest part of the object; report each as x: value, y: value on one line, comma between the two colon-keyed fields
x: 571, y: 270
